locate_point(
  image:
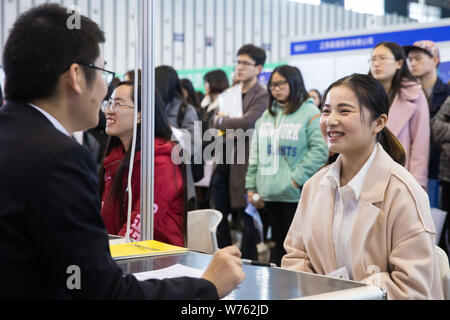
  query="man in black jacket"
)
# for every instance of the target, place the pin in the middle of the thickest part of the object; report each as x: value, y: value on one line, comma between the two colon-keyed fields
x: 50, y: 221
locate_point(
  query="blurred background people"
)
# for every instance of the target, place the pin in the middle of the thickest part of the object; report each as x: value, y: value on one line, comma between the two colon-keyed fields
x: 287, y: 149
x: 440, y: 133
x: 189, y: 94
x: 317, y: 97
x: 423, y: 61
x: 129, y: 75
x: 409, y: 117
x: 182, y: 115
x: 228, y: 181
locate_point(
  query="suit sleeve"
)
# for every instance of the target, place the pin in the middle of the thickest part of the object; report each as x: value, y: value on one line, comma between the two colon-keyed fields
x: 67, y: 230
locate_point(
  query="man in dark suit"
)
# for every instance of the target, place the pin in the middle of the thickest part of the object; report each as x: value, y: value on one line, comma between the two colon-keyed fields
x: 50, y: 225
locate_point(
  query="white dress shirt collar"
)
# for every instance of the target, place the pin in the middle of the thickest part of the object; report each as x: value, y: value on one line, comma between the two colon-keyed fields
x: 334, y: 175
x: 52, y: 119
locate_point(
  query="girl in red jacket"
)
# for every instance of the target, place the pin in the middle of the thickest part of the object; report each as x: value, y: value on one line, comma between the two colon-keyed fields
x: 169, y: 205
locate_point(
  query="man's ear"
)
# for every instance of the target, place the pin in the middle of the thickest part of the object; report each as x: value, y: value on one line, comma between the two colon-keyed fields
x: 139, y: 118
x: 74, y: 78
x: 259, y: 68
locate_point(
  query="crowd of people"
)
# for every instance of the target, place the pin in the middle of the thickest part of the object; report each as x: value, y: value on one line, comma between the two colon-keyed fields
x: 344, y: 180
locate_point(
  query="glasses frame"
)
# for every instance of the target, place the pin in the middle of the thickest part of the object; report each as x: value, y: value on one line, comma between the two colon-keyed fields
x: 280, y: 85
x: 244, y: 63
x: 112, y: 105
x: 107, y: 75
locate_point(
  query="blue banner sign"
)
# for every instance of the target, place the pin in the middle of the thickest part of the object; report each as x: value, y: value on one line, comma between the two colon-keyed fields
x: 367, y: 41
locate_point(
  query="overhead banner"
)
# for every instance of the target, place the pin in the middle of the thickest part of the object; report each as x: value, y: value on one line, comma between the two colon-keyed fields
x: 367, y: 41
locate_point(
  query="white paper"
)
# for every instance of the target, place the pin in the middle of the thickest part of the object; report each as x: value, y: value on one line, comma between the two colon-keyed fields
x: 177, y: 270
x: 230, y: 102
x: 340, y: 273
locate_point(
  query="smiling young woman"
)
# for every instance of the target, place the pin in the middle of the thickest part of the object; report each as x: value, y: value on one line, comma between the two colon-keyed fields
x: 386, y: 236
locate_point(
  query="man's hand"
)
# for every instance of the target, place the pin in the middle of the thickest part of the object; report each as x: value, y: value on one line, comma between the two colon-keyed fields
x: 250, y: 197
x: 225, y: 270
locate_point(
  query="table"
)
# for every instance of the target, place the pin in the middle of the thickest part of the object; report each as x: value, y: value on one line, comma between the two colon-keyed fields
x: 265, y: 283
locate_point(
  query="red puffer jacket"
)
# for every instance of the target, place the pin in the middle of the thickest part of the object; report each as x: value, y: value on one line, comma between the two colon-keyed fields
x: 169, y: 204
x: 110, y: 206
x: 168, y: 200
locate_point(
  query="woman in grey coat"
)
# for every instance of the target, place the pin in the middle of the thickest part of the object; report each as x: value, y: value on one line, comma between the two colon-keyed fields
x: 182, y: 116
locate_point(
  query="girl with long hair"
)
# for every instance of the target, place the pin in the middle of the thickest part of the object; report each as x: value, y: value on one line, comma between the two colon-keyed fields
x: 365, y: 217
x: 409, y: 117
x: 287, y: 149
x: 169, y: 204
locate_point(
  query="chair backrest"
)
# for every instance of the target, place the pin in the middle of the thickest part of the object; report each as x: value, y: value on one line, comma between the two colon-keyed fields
x: 201, y: 230
x: 444, y: 271
x: 438, y: 216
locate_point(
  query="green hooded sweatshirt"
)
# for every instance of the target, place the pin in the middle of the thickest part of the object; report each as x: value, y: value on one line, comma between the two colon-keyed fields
x: 285, y: 148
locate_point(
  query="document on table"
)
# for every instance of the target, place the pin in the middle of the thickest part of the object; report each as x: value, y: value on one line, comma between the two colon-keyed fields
x: 177, y: 270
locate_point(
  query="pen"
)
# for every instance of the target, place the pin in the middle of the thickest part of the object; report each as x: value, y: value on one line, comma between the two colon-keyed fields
x: 257, y: 263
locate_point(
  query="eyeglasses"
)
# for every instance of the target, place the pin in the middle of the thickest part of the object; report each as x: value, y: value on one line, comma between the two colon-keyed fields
x: 112, y: 105
x: 107, y: 75
x: 381, y: 59
x: 280, y: 85
x: 244, y: 63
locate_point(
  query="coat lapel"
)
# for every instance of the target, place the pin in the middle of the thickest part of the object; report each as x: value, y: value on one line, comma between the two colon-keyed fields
x: 372, y: 193
x: 321, y: 226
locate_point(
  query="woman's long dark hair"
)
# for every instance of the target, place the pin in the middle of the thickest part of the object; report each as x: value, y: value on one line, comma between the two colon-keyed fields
x: 117, y: 193
x: 401, y: 74
x: 298, y: 93
x: 372, y: 96
x: 217, y: 80
x: 163, y: 130
x: 168, y: 84
x: 192, y: 98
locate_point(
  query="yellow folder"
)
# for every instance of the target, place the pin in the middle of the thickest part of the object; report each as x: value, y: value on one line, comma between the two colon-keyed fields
x: 143, y: 249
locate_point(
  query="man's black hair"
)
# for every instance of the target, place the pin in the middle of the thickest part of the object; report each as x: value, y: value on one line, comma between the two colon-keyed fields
x: 42, y: 46
x: 257, y: 54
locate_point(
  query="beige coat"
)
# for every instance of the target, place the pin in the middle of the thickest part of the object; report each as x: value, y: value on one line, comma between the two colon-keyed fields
x: 393, y: 237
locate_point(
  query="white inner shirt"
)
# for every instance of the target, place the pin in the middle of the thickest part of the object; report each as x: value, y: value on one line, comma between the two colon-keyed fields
x: 345, y: 209
x: 52, y: 119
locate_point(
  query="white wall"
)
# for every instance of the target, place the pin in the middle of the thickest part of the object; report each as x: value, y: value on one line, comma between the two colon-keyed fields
x: 229, y: 23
